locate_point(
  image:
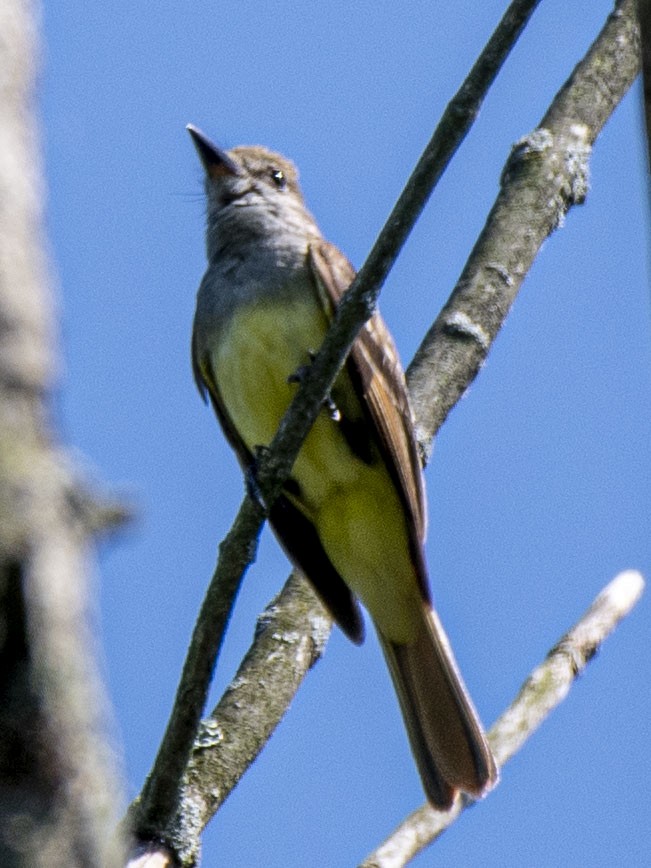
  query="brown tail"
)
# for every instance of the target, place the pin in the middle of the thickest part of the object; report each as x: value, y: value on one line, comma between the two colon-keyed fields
x: 446, y: 737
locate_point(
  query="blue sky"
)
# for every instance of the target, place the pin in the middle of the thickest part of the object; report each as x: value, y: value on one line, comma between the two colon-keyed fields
x: 538, y: 488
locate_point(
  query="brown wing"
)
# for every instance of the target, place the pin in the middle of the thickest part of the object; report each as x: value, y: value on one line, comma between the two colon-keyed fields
x: 293, y: 530
x: 377, y: 375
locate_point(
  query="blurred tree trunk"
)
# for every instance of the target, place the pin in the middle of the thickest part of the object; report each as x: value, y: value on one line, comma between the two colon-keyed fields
x: 57, y: 789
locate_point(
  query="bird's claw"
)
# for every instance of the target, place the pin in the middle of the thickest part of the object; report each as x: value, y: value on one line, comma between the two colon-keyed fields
x: 299, y: 375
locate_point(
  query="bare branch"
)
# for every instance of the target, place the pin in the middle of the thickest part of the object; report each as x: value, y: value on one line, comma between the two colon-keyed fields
x: 545, y: 175
x: 291, y: 636
x: 361, y: 297
x: 158, y: 803
x: 542, y: 692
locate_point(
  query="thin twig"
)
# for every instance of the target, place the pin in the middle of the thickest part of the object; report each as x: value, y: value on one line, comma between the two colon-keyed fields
x: 542, y: 692
x: 361, y: 297
x: 159, y: 799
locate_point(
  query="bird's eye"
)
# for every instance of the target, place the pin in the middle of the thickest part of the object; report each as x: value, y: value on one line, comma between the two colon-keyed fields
x: 279, y: 179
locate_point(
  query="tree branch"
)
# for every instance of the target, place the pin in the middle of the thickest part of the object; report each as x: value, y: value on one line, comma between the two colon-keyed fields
x: 546, y: 173
x: 159, y: 800
x: 290, y: 637
x: 542, y: 692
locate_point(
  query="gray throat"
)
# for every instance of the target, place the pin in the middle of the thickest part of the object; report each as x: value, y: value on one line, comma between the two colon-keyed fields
x: 255, y: 253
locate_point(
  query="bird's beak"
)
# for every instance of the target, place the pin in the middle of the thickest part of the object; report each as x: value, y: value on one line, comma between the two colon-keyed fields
x: 216, y: 162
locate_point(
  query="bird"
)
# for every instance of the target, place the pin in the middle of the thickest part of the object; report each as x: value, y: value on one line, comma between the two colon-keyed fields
x: 352, y: 514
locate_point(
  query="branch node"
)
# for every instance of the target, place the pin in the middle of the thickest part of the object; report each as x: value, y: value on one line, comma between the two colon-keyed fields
x: 566, y: 153
x: 530, y: 147
x: 459, y: 324
x: 577, y: 150
x: 578, y: 658
x: 209, y: 735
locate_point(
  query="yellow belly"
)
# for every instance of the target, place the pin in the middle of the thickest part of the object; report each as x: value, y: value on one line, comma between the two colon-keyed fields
x: 352, y: 503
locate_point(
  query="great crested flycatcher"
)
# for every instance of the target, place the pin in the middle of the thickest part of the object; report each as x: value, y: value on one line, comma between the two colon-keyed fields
x: 352, y: 515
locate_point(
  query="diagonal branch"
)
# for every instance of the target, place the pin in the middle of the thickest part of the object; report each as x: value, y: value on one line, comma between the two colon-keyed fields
x: 542, y: 692
x: 547, y: 173
x: 159, y: 799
